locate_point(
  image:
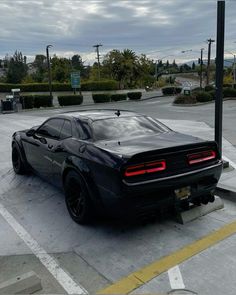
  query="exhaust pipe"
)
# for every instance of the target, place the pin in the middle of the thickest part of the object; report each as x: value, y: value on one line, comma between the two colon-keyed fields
x: 208, y: 198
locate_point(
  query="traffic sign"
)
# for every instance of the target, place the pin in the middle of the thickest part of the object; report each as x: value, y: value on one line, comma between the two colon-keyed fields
x: 75, y: 80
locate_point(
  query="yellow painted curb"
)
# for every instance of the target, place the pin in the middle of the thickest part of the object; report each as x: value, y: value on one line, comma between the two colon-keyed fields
x: 145, y: 274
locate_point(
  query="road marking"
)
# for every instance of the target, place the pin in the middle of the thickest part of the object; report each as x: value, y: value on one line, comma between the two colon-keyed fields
x: 64, y: 279
x: 147, y: 273
x: 175, y: 278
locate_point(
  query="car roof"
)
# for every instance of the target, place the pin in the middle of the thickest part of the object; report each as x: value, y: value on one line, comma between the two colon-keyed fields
x: 99, y: 114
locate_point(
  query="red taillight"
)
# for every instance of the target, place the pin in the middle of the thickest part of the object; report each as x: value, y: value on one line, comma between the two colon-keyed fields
x: 144, y: 168
x: 201, y: 157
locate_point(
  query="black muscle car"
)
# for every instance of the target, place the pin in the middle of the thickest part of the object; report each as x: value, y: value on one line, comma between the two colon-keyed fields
x: 120, y: 161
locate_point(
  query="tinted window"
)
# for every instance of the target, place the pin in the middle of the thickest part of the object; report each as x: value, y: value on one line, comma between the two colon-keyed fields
x: 66, y: 130
x: 126, y: 127
x: 51, y: 128
x: 84, y: 130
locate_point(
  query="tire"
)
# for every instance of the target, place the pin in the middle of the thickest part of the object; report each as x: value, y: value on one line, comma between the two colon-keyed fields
x: 77, y: 199
x: 17, y: 162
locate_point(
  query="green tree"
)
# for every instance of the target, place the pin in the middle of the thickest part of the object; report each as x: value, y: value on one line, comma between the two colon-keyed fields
x: 17, y: 68
x: 193, y: 66
x: 61, y: 69
x: 40, y: 66
x: 78, y: 65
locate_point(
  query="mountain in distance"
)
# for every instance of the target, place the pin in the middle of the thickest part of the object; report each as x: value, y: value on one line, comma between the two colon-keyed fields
x: 227, y: 62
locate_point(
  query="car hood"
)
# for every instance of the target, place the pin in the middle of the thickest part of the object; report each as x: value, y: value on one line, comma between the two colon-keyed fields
x: 132, y: 146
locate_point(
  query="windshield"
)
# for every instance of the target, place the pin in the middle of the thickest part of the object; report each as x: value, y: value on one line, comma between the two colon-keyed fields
x: 126, y: 127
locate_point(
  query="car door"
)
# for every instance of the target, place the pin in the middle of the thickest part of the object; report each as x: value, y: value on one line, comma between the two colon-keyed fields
x: 40, y: 148
x: 60, y: 151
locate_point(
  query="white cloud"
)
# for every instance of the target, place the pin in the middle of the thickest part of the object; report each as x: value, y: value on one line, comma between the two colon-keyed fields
x: 74, y: 26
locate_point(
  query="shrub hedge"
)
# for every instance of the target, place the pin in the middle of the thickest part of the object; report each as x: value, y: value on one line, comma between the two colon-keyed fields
x: 103, y: 97
x: 42, y: 101
x: 170, y: 90
x: 27, y: 101
x: 203, y: 96
x: 197, y: 89
x: 227, y: 85
x: 35, y: 101
x: 118, y: 96
x: 43, y: 87
x: 185, y: 99
x: 134, y: 95
x: 229, y: 92
x: 209, y: 88
x: 212, y: 93
x: 68, y: 100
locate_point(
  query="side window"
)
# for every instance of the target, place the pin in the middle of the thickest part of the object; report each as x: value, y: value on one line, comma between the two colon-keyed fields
x: 66, y: 130
x: 84, y: 130
x: 51, y: 128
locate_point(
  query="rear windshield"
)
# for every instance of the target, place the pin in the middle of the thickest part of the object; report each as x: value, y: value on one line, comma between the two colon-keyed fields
x: 126, y: 127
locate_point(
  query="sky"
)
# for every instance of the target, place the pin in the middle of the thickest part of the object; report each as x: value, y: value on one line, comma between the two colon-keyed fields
x: 161, y: 29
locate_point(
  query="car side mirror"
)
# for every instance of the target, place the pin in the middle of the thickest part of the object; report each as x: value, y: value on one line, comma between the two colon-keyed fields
x: 30, y: 132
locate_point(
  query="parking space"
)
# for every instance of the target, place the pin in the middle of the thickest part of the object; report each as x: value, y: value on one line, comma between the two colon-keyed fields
x: 97, y: 256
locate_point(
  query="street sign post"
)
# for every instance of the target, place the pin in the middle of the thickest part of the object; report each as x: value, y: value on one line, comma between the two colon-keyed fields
x: 75, y: 80
x: 219, y: 73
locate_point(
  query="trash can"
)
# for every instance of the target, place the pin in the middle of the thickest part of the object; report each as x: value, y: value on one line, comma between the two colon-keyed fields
x: 6, y: 105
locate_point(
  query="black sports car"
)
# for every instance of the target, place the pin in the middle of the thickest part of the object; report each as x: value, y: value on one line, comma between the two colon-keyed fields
x: 120, y: 161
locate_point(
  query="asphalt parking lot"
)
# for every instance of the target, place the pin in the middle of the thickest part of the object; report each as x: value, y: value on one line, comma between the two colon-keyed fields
x: 110, y: 257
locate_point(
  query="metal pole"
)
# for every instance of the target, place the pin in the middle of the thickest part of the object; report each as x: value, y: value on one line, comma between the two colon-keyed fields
x: 234, y: 70
x: 219, y: 72
x: 156, y: 71
x: 49, y: 70
x: 201, y: 68
x: 209, y: 60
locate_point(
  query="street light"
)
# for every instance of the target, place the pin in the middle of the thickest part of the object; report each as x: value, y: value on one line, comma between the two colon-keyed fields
x: 49, y: 70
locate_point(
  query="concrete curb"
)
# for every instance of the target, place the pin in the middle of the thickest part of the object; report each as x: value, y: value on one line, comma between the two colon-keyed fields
x: 28, y: 283
x: 199, y: 211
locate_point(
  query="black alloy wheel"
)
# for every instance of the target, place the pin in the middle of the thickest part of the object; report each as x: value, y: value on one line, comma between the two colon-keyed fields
x: 17, y: 163
x: 77, y: 198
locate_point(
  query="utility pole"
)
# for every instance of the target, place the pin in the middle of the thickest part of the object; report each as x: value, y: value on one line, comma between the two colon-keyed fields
x: 210, y: 41
x: 98, y: 58
x: 234, y: 69
x: 201, y: 63
x: 219, y: 73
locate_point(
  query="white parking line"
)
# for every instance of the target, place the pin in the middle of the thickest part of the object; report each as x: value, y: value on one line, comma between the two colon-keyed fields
x: 64, y: 279
x: 175, y: 278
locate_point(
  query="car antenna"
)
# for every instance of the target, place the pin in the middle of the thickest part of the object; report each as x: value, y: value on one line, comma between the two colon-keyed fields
x: 117, y: 113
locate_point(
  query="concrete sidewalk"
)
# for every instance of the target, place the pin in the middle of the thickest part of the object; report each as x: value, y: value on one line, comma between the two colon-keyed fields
x: 201, y: 129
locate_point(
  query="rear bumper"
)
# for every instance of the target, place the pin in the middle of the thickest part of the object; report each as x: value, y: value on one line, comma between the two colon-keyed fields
x: 147, y: 196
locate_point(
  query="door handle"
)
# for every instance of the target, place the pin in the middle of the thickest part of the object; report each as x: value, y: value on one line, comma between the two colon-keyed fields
x: 50, y: 146
x: 82, y: 148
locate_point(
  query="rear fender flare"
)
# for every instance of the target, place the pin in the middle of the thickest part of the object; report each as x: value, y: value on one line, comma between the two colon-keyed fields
x: 79, y: 166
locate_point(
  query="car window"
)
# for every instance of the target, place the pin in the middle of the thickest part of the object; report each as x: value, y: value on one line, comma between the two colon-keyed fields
x: 126, y: 127
x: 51, y: 128
x: 84, y: 130
x: 66, y: 130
